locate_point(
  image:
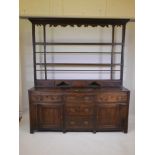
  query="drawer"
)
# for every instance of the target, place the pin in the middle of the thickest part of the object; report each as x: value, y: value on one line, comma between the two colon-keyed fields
x: 79, y: 110
x: 79, y: 123
x: 46, y: 98
x: 79, y: 98
x: 112, y: 97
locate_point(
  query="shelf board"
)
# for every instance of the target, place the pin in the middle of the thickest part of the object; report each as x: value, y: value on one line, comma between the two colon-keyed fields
x: 76, y: 64
x: 69, y: 43
x: 72, y: 21
x: 81, y: 52
x: 78, y: 70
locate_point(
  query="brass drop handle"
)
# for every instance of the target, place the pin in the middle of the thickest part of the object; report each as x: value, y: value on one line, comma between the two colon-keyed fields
x: 72, y: 109
x: 86, y: 98
x: 40, y: 98
x: 76, y: 90
x: 86, y: 109
x: 72, y: 122
x: 86, y: 122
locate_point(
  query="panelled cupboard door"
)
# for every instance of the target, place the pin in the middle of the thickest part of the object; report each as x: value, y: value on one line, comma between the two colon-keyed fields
x: 34, y: 7
x: 108, y: 116
x: 50, y: 116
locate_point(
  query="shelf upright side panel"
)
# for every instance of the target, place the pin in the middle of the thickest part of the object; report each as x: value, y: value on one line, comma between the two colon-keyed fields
x: 122, y: 51
x: 44, y: 34
x: 34, y: 52
x: 112, y: 50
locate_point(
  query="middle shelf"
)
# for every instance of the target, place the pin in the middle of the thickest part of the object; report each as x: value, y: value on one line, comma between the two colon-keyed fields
x: 77, y: 64
x: 80, y: 52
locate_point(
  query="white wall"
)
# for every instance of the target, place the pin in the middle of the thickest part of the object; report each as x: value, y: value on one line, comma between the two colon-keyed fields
x: 84, y: 8
x: 27, y: 64
x: 129, y: 64
x: 26, y: 61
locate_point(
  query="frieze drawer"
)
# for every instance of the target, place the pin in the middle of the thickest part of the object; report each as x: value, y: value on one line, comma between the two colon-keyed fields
x: 112, y: 97
x: 79, y: 97
x: 46, y: 98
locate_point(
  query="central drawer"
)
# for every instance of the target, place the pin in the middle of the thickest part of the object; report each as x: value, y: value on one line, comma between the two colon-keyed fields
x: 79, y: 109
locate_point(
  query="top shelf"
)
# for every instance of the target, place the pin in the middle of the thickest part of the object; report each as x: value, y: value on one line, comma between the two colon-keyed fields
x: 55, y: 21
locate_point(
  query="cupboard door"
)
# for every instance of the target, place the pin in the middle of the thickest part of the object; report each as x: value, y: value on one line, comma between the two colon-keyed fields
x: 108, y: 116
x: 50, y: 116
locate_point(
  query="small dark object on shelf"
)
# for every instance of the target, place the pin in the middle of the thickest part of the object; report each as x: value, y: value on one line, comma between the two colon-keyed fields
x: 63, y: 84
x: 94, y: 84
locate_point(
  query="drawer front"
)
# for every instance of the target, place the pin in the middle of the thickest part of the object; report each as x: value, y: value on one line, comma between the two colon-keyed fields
x: 112, y: 97
x: 79, y: 110
x: 79, y: 123
x: 79, y: 98
x: 46, y: 98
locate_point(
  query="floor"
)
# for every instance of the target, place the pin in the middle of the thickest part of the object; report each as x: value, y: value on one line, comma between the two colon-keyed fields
x: 73, y: 143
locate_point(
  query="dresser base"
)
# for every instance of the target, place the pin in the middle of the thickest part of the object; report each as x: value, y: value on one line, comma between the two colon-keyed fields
x: 79, y: 109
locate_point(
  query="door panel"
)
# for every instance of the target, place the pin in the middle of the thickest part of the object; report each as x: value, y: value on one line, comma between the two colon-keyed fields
x: 50, y: 116
x: 108, y: 116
